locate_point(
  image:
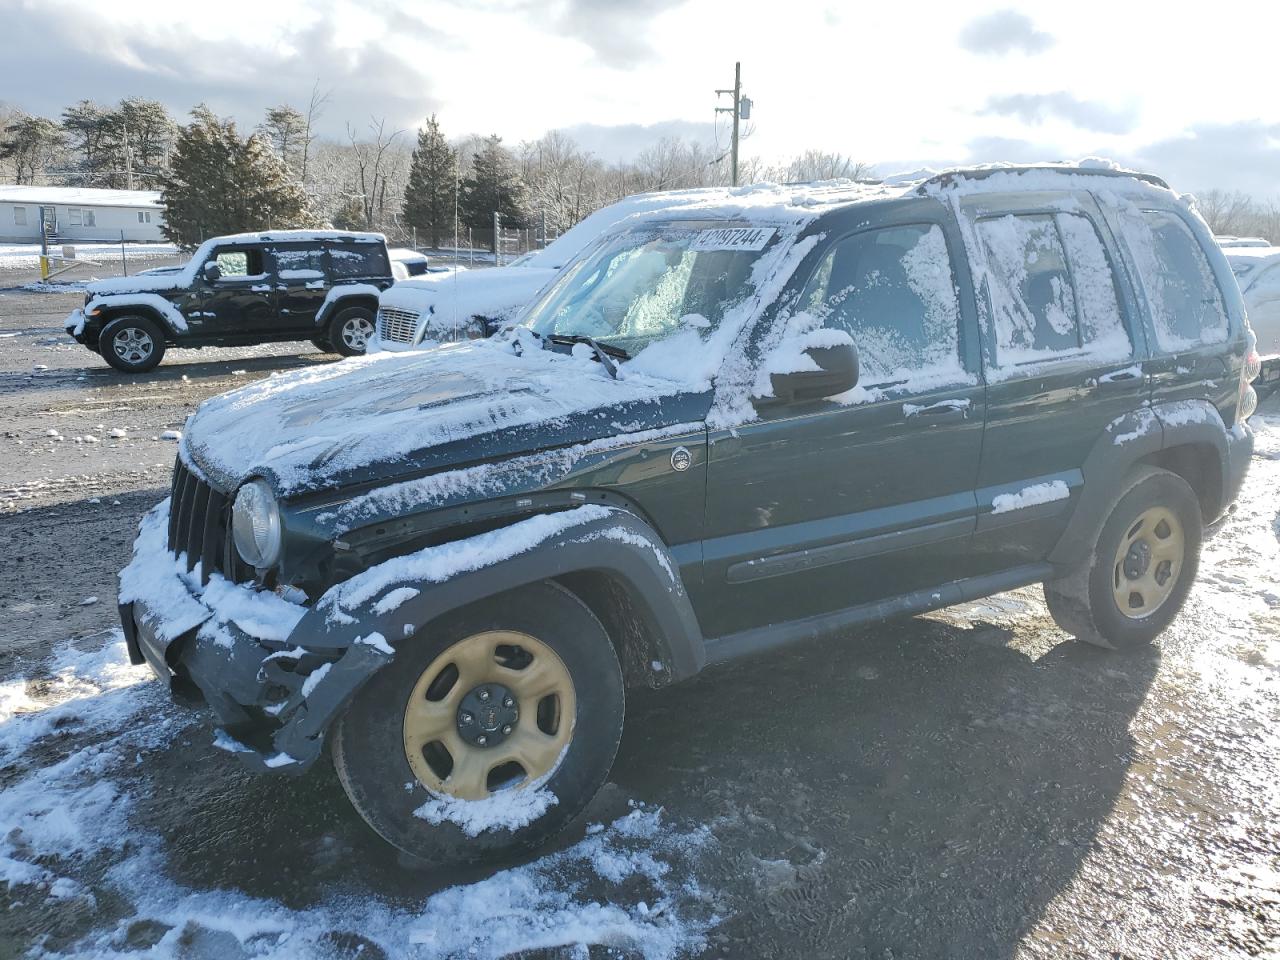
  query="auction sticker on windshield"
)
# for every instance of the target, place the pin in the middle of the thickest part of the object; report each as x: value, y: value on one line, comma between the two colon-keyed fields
x: 733, y: 238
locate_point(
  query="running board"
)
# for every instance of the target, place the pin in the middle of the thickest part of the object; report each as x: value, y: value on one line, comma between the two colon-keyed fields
x: 760, y: 639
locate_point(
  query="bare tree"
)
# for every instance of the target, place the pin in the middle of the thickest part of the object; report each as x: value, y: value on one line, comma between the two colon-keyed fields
x: 375, y: 164
x: 315, y: 108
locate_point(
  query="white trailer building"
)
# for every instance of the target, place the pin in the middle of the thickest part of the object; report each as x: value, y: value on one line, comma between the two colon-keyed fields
x: 79, y: 213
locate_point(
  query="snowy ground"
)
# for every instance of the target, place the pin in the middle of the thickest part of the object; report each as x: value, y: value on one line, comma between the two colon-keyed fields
x: 101, y: 259
x: 968, y: 784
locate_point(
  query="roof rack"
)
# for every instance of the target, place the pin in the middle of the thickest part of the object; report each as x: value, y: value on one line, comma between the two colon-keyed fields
x: 948, y: 177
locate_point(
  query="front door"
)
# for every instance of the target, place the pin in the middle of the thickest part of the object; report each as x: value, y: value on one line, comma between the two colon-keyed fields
x: 241, y: 304
x: 301, y: 287
x: 819, y: 506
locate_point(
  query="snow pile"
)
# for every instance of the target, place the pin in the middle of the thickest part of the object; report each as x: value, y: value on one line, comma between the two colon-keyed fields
x: 505, y: 810
x: 69, y: 831
x: 1031, y: 496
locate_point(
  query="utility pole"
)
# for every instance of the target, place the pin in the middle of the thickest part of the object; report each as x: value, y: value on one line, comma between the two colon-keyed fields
x: 736, y: 110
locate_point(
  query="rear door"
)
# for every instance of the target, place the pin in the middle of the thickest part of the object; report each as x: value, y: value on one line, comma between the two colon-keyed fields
x: 825, y: 505
x: 301, y: 286
x: 1063, y: 359
x: 241, y: 303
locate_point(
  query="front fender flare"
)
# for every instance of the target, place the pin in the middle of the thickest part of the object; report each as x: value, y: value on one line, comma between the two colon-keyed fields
x: 395, y: 599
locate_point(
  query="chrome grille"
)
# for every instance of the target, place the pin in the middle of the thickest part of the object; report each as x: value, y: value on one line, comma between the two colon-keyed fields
x: 198, y: 524
x: 396, y: 326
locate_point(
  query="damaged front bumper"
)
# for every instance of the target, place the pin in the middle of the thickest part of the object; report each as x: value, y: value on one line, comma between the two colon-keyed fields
x: 238, y: 649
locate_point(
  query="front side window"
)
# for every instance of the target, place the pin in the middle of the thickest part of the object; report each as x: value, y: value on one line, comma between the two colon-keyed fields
x: 1186, y: 305
x: 239, y: 264
x: 359, y: 260
x: 19, y: 216
x: 646, y: 284
x: 893, y: 292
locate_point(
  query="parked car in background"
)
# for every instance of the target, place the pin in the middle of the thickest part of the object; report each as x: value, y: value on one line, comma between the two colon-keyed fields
x: 465, y: 304
x: 238, y: 290
x: 1257, y: 270
x: 728, y: 425
x: 407, y: 262
x: 1232, y: 243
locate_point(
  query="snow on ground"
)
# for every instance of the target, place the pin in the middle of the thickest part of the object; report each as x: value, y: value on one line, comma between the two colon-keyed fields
x: 26, y: 256
x: 76, y: 735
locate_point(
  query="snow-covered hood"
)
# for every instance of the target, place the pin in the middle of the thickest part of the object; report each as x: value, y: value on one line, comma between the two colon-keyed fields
x: 445, y: 303
x: 412, y: 413
x: 174, y: 278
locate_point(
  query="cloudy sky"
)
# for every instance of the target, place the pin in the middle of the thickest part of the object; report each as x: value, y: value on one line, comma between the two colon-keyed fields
x: 1193, y: 97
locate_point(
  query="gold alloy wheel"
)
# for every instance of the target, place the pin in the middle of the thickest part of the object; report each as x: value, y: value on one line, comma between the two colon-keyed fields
x: 495, y: 710
x: 1148, y: 562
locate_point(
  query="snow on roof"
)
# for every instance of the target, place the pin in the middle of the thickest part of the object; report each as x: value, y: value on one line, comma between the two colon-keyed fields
x: 78, y: 196
x: 1250, y: 254
x: 281, y: 236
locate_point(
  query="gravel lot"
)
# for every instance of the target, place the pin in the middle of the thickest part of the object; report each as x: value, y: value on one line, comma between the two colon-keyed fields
x: 967, y: 784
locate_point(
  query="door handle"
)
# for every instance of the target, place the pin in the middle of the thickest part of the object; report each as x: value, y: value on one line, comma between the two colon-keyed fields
x: 944, y: 411
x: 1120, y: 380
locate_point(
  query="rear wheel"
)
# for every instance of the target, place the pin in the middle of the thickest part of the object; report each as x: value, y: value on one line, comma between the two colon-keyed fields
x: 351, y: 330
x: 1141, y: 568
x: 490, y: 731
x: 131, y: 344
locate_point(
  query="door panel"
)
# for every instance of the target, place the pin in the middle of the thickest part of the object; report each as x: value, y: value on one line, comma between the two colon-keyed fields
x: 301, y: 286
x: 241, y: 304
x: 1058, y: 344
x: 824, y: 505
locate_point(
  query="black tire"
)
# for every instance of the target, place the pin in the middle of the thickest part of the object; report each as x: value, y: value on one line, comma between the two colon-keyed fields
x: 368, y: 742
x: 132, y: 344
x: 350, y: 331
x: 1085, y: 603
x: 323, y: 345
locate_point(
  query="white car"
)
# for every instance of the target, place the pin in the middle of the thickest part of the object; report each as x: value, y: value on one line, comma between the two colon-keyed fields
x: 1235, y: 243
x: 464, y: 304
x: 1257, y: 270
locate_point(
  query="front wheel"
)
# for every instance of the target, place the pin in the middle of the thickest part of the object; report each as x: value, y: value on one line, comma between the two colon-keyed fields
x: 490, y: 730
x: 1141, y: 567
x: 351, y: 330
x: 131, y: 344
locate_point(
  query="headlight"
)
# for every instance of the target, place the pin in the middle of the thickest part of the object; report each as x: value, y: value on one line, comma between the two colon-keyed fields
x: 255, y: 524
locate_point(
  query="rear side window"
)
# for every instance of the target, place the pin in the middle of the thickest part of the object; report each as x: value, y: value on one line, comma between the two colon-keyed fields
x: 359, y: 260
x: 1186, y: 305
x: 893, y: 291
x: 1051, y: 288
x: 299, y: 263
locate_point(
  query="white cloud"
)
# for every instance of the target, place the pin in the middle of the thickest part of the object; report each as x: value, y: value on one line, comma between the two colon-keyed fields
x: 1003, y: 32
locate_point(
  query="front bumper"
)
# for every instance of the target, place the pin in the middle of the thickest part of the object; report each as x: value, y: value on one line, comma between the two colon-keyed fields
x: 236, y: 648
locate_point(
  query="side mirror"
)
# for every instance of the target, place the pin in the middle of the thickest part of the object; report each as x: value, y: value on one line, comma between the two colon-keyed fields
x: 837, y: 372
x: 212, y: 272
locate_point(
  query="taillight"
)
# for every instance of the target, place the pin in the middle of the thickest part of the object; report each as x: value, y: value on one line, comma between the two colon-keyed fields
x: 1248, y: 400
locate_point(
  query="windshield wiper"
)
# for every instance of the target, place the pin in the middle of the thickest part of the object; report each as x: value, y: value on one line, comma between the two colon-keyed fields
x: 604, y: 354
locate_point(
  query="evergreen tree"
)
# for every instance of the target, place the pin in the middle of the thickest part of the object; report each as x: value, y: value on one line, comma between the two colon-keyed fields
x: 220, y: 183
x: 31, y: 144
x: 430, y: 194
x: 286, y: 129
x: 494, y: 184
x: 123, y: 146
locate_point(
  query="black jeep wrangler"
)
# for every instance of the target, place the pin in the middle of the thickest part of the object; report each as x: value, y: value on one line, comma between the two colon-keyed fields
x: 241, y: 290
x: 751, y: 418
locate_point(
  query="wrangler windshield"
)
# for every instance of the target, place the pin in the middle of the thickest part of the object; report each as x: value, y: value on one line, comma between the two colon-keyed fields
x: 644, y: 284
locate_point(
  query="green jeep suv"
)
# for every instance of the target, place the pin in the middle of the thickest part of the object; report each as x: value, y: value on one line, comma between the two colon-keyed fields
x: 741, y: 419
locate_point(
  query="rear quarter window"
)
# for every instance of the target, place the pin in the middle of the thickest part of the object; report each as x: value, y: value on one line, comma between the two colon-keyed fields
x: 1187, y: 308
x: 359, y: 260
